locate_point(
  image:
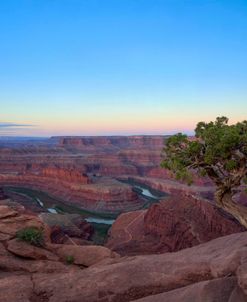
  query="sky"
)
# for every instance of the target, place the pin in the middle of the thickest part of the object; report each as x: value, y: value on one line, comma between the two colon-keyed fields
x: 108, y: 67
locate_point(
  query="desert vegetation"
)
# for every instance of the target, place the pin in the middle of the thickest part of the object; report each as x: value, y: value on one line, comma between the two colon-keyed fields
x: 219, y: 151
x: 32, y: 235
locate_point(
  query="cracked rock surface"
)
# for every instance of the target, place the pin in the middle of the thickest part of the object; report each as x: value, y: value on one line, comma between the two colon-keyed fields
x: 209, y: 272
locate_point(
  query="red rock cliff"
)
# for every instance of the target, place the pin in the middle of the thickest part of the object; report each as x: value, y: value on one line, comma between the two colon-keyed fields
x: 70, y: 175
x: 174, y: 224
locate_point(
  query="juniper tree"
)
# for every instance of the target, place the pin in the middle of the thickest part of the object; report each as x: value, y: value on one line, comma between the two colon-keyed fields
x: 219, y: 150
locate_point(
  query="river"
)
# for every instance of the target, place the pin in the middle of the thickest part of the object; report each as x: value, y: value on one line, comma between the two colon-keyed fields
x: 55, y: 206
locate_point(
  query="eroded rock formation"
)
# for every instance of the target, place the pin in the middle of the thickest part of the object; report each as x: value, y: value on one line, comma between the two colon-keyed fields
x: 68, y: 175
x: 136, y: 141
x: 177, y: 223
x: 104, y: 195
x: 213, y: 271
x: 67, y: 228
x: 84, y: 170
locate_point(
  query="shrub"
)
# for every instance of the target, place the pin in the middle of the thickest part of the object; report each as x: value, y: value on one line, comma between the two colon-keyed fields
x: 70, y: 259
x: 31, y: 235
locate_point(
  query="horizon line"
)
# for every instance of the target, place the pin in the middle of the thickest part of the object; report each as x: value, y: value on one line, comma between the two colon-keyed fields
x: 105, y: 135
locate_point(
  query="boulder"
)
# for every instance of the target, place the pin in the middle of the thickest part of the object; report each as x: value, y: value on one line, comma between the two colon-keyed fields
x: 12, y: 225
x: 13, y: 219
x: 26, y: 250
x: 11, y: 263
x: 83, y: 255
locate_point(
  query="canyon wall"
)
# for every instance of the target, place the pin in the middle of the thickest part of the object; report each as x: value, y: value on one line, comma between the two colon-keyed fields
x: 178, y: 222
x: 135, y: 141
x: 86, y: 170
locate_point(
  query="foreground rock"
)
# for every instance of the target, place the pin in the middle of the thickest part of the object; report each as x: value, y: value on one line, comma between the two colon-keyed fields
x: 218, y: 290
x: 26, y: 250
x: 169, y: 226
x: 213, y: 271
x: 83, y: 255
x: 16, y: 253
x: 12, y: 221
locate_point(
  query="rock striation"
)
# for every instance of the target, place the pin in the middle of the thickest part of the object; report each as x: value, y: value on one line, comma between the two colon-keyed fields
x: 104, y: 195
x: 85, y: 170
x: 68, y: 175
x: 213, y: 271
x: 21, y: 256
x: 174, y: 224
x: 139, y: 141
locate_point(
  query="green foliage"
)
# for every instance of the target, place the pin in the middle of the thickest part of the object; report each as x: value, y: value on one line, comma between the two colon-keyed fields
x: 231, y: 165
x: 31, y: 235
x: 70, y: 259
x: 202, y: 172
x: 218, y: 150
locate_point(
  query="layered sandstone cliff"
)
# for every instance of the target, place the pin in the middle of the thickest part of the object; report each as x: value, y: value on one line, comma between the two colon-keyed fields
x: 104, y: 195
x: 177, y: 223
x: 138, y: 141
x: 68, y: 175
x: 83, y: 170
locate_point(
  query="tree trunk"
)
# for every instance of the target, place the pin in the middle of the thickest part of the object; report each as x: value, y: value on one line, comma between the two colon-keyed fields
x: 224, y: 200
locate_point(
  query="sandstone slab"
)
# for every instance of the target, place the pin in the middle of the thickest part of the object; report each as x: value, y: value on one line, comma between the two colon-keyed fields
x: 6, y: 211
x: 16, y: 288
x: 218, y: 290
x: 26, y: 250
x: 83, y: 255
x: 132, y: 278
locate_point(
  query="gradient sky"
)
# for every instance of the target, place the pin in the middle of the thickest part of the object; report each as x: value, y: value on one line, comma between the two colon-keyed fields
x: 98, y: 67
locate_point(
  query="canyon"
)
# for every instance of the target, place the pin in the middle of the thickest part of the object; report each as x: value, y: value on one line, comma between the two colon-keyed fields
x: 82, y: 170
x: 91, y: 172
x: 103, y: 176
x: 116, y: 226
x: 70, y: 272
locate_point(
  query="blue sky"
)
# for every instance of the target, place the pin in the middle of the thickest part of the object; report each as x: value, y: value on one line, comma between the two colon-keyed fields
x: 80, y: 67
